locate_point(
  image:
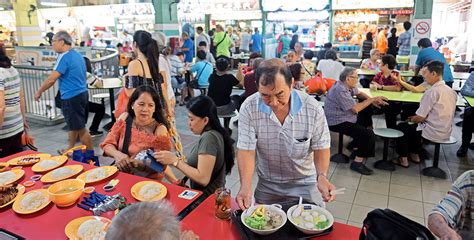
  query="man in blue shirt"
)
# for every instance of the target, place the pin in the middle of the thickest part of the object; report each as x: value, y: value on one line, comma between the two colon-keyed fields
x: 257, y: 41
x: 203, y: 69
x: 70, y: 69
x: 187, y: 48
x: 428, y: 53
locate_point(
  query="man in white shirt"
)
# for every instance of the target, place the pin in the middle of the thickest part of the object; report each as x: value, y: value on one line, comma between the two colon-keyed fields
x: 329, y: 67
x: 202, y: 37
x: 245, y: 38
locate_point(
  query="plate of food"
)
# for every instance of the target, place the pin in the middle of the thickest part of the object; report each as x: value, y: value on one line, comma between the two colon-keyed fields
x: 10, y: 193
x: 28, y: 159
x: 312, y: 219
x: 264, y: 219
x: 97, y: 174
x: 148, y: 191
x: 11, y: 176
x: 3, y: 166
x: 62, y: 173
x: 90, y: 227
x: 31, y: 202
x: 48, y: 164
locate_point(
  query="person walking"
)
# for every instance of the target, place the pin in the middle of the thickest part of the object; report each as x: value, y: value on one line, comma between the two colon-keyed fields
x: 256, y: 41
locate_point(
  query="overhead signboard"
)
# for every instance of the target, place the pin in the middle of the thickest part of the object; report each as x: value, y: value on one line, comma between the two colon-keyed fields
x: 301, y: 5
x: 370, y: 4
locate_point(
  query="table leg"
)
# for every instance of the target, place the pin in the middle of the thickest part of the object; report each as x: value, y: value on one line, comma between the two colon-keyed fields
x: 384, y: 164
x: 109, y: 125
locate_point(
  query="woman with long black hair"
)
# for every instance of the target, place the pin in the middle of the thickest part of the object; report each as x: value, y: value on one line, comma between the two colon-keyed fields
x: 143, y: 70
x: 212, y: 157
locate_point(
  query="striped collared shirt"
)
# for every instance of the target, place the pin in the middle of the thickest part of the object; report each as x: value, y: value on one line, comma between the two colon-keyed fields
x: 12, y: 118
x: 339, y: 103
x: 284, y: 151
x: 457, y: 207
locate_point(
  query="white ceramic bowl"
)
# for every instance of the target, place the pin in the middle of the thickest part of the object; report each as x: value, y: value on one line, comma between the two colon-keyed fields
x: 274, y: 208
x: 312, y: 207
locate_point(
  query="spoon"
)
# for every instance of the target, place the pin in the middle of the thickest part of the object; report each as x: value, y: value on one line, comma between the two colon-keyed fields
x: 338, y: 191
x: 297, y: 211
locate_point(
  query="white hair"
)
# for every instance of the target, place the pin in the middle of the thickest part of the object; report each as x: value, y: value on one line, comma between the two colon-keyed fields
x: 160, y: 38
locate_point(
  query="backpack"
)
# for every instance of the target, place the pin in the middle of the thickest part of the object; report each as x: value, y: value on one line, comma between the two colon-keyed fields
x: 468, y: 88
x: 389, y: 225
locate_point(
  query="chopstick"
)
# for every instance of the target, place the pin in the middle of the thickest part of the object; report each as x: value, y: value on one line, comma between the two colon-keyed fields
x: 338, y: 191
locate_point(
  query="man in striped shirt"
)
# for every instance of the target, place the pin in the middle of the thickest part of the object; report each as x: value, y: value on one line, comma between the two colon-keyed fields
x: 453, y: 217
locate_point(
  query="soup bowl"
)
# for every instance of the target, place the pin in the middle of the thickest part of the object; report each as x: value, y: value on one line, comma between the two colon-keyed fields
x: 318, y: 212
x: 65, y: 193
x: 274, y: 208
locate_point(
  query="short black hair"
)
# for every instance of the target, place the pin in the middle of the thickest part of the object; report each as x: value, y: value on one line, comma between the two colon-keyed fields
x: 328, y: 45
x: 435, y: 66
x: 295, y: 70
x: 180, y: 54
x: 268, y: 69
x: 201, y: 54
x: 424, y: 43
x: 199, y: 29
x: 108, y: 42
x: 390, y: 61
x: 393, y: 31
x: 407, y: 25
x: 222, y: 64
x: 202, y: 44
x: 308, y: 54
x: 369, y: 36
x: 254, y: 55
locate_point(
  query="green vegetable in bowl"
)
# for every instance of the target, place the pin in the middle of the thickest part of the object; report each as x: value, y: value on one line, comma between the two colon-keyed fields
x: 322, y: 224
x: 256, y: 222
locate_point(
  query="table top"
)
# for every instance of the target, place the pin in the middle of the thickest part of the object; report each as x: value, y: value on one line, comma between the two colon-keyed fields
x: 402, y: 96
x: 461, y: 75
x: 203, y: 223
x: 469, y: 100
x: 35, y: 226
x: 109, y: 83
x: 373, y: 72
x: 351, y: 60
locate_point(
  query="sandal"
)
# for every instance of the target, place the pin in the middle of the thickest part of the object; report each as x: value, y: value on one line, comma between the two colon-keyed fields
x: 398, y: 162
x: 413, y: 161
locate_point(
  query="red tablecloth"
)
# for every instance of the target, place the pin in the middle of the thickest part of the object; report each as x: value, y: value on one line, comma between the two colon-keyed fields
x: 203, y: 223
x: 49, y: 223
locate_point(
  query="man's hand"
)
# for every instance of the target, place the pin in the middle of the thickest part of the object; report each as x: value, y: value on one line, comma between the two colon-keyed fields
x: 380, y: 101
x: 416, y: 119
x: 325, y: 187
x: 37, y: 96
x: 450, y: 235
x: 244, y: 198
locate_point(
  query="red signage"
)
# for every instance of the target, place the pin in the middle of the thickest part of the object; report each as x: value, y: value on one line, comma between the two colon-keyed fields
x: 396, y: 12
x: 422, y: 28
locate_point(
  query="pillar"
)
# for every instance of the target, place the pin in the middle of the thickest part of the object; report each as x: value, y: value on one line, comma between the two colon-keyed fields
x: 28, y: 31
x: 166, y: 17
x: 421, y: 22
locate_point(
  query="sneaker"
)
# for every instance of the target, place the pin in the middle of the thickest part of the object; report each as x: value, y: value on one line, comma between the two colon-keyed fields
x: 96, y: 133
x: 361, y: 168
x: 462, y: 151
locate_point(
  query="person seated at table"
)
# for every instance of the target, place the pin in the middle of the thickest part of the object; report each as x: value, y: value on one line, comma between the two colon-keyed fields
x: 433, y: 118
x: 342, y: 113
x: 308, y: 65
x: 385, y: 79
x: 468, y: 121
x: 220, y: 88
x: 291, y: 57
x: 93, y: 107
x: 420, y: 88
x: 371, y: 63
x: 213, y: 155
x: 149, y: 130
x: 209, y: 58
x: 330, y: 67
x: 297, y: 72
x: 426, y: 54
x: 203, y: 69
x: 322, y: 53
x: 245, y: 69
x: 147, y: 220
x: 452, y: 217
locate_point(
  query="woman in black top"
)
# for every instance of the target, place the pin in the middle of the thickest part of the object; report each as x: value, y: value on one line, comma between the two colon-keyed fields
x: 220, y: 89
x: 392, y: 43
x: 367, y: 45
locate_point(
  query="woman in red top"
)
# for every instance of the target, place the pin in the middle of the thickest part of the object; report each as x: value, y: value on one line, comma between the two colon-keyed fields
x: 386, y: 78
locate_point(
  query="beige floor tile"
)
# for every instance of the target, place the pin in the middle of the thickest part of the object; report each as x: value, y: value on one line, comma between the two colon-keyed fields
x: 412, y: 171
x: 359, y: 213
x: 411, y: 181
x: 374, y: 186
x: 347, y: 197
x: 344, y: 170
x: 427, y: 207
x: 342, y: 181
x: 355, y: 224
x: 405, y: 192
x: 406, y: 207
x: 434, y: 184
x: 379, y: 175
x: 339, y: 210
x: 340, y: 220
x: 371, y: 200
x: 433, y: 197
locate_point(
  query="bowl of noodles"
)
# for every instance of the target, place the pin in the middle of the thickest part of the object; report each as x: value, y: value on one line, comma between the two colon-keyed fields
x: 264, y: 219
x: 65, y: 193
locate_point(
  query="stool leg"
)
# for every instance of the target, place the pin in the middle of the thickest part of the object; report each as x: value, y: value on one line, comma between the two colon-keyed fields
x: 340, y: 157
x: 435, y: 171
x: 384, y: 164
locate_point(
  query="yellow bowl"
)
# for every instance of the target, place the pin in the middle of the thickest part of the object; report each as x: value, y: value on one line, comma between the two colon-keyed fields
x: 65, y: 193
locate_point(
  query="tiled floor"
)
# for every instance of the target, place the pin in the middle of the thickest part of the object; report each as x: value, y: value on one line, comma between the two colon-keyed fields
x: 403, y: 190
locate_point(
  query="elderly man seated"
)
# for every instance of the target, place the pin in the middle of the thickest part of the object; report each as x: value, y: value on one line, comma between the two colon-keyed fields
x: 342, y: 111
x: 453, y: 217
x: 147, y: 220
x: 434, y: 116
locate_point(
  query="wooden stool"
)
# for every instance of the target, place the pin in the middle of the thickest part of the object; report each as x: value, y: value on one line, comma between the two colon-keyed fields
x: 340, y: 157
x: 386, y: 134
x: 435, y: 171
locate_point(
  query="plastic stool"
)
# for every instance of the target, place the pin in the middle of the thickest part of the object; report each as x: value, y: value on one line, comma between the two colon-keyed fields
x: 386, y: 134
x: 340, y: 157
x: 435, y: 171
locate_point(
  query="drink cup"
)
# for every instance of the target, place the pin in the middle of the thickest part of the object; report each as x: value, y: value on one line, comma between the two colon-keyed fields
x: 223, y: 203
